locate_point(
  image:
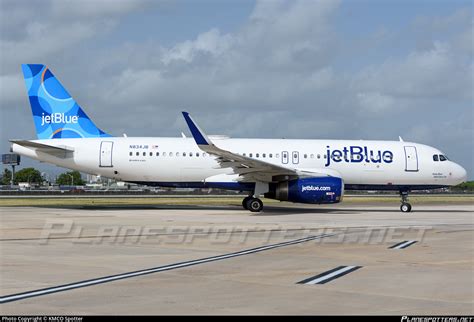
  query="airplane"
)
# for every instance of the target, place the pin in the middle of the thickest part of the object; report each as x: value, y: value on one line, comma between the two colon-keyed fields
x: 300, y: 171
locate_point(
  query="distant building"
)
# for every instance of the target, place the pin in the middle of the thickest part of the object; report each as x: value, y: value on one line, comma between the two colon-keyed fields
x: 24, y: 185
x: 91, y: 178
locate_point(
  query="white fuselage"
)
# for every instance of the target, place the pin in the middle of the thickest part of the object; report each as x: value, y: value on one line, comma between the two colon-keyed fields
x: 163, y: 161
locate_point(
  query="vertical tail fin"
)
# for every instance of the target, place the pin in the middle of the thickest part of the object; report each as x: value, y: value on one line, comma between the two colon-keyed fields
x: 55, y: 113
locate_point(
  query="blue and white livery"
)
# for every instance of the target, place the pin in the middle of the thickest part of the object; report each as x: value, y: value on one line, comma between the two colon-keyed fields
x: 55, y: 113
x: 304, y: 171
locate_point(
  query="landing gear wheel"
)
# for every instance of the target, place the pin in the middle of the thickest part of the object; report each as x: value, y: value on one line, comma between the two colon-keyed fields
x: 405, y: 207
x: 244, y: 202
x: 254, y: 205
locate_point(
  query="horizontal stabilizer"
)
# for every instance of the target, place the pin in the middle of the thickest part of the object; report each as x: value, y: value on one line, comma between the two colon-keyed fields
x: 59, y: 150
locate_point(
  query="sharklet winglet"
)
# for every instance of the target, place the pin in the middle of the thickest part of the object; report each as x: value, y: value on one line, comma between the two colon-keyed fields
x: 199, y: 136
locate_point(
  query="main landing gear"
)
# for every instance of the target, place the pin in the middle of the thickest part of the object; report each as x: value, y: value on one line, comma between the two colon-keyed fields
x: 253, y: 204
x: 405, y: 206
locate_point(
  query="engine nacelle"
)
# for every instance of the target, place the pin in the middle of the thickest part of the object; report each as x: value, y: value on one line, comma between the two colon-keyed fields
x: 318, y: 190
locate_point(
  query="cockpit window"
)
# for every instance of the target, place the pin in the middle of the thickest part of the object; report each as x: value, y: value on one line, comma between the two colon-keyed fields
x: 442, y: 158
x: 435, y: 157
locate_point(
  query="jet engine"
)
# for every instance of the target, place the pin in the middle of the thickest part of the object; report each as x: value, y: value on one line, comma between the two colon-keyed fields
x: 315, y: 190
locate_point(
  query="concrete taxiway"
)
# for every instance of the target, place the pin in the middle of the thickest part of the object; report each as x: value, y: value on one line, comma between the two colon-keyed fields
x: 290, y: 259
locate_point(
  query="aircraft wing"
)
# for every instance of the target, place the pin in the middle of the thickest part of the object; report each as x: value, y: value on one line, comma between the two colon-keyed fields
x: 248, y: 169
x: 59, y: 151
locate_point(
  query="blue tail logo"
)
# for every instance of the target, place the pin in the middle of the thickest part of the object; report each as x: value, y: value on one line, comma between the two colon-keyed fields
x: 55, y: 113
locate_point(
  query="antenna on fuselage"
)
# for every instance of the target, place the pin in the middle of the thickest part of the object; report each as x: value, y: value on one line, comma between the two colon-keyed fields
x: 400, y: 139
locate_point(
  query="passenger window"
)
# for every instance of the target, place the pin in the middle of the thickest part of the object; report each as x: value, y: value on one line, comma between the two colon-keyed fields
x: 190, y: 154
x: 277, y: 155
x: 435, y: 157
x: 177, y: 154
x: 151, y: 154
x: 319, y: 156
x: 204, y: 154
x: 442, y: 158
x: 157, y: 154
x: 312, y: 156
x: 164, y: 154
x: 250, y: 154
x: 184, y: 154
x: 245, y: 154
x: 144, y: 153
x: 131, y: 153
x: 170, y: 154
x: 138, y: 153
x: 305, y: 156
x: 270, y: 155
x: 264, y: 155
x: 197, y: 154
x: 257, y: 155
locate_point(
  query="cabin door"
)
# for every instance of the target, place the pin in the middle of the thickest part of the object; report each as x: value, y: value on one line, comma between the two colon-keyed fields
x: 105, y: 156
x: 411, y: 159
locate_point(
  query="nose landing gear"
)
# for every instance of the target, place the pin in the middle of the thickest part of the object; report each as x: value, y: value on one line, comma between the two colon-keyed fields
x: 405, y: 206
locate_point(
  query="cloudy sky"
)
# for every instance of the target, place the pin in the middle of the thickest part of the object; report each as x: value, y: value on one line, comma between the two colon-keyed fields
x: 358, y: 69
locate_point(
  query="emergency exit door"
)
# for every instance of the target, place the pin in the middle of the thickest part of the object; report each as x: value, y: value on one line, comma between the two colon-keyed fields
x: 105, y: 156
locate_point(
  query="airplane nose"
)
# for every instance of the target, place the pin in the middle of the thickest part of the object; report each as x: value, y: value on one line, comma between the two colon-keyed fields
x: 460, y: 174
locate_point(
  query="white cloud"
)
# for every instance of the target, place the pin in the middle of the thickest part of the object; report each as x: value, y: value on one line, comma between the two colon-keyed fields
x: 133, y: 86
x: 375, y: 102
x: 42, y: 40
x: 281, y: 52
x: 210, y: 42
x: 32, y: 31
x: 436, y: 72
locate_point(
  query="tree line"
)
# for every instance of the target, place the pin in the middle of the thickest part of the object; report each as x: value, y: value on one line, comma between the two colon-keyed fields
x: 33, y: 176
